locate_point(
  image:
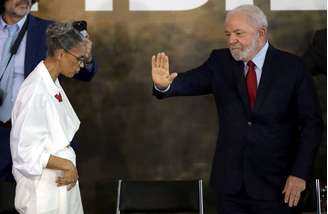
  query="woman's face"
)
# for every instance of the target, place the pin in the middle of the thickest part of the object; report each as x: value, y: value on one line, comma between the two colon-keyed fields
x: 72, y: 61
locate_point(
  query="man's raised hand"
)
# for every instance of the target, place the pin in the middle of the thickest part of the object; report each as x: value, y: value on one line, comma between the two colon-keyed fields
x: 160, y: 71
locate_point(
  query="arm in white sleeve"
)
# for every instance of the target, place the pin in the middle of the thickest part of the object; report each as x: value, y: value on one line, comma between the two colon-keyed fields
x: 30, y: 135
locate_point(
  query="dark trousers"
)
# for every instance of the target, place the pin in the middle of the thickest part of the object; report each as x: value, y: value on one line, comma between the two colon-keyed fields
x: 7, y: 183
x: 9, y: 212
x: 5, y: 156
x: 242, y: 203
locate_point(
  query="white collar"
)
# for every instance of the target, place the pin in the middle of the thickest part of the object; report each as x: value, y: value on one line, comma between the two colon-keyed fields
x: 259, y: 58
x: 20, y: 23
x: 53, y: 87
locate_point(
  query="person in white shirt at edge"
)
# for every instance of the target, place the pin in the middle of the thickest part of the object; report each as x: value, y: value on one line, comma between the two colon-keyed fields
x: 43, y: 124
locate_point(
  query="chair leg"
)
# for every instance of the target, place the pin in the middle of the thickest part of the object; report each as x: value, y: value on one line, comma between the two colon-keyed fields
x: 318, y: 199
x: 118, y: 197
x: 201, y: 201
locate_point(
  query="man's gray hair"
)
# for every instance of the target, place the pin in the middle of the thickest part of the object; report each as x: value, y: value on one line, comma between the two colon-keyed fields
x: 254, y: 13
x: 62, y: 36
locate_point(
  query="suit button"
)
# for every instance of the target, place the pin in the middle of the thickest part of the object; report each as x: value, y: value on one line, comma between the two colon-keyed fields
x: 249, y: 123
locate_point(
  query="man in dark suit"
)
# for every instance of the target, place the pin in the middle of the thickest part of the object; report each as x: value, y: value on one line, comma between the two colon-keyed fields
x: 269, y: 118
x: 31, y: 51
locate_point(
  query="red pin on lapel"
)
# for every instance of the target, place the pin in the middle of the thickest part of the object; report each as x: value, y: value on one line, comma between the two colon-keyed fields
x: 59, y: 97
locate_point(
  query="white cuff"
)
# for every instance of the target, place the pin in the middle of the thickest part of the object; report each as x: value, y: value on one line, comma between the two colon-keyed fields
x: 163, y: 90
x: 44, y: 159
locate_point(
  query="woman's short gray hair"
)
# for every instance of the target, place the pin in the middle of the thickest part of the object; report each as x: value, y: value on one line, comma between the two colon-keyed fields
x: 62, y: 35
x: 254, y: 13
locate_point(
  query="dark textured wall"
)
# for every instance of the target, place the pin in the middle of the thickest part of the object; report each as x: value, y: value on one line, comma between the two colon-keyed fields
x: 127, y: 133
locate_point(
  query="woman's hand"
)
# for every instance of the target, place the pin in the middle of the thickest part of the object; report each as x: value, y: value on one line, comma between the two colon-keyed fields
x: 70, y: 176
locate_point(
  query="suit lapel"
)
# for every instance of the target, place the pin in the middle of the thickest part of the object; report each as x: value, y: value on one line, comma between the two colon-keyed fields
x: 267, y: 78
x: 237, y: 69
x: 31, y: 47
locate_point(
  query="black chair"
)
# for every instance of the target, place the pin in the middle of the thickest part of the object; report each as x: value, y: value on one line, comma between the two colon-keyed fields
x: 160, y: 196
x: 313, y: 198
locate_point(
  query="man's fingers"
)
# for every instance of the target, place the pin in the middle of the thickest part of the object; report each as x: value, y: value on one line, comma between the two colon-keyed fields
x: 294, y: 198
x: 162, y: 60
x: 160, y: 70
x: 173, y: 76
x: 153, y: 63
x: 157, y: 60
x: 166, y: 63
x: 287, y: 195
x: 291, y: 200
x: 292, y: 190
x: 297, y: 198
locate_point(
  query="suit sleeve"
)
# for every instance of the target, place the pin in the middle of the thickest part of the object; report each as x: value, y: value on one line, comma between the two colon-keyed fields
x: 310, y: 125
x: 194, y: 82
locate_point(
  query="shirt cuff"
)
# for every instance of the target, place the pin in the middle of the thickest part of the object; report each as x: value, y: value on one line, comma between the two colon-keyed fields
x: 88, y: 66
x: 44, y: 159
x: 163, y: 90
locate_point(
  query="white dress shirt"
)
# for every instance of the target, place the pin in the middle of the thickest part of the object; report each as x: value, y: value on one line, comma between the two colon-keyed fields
x: 19, y: 56
x: 258, y: 60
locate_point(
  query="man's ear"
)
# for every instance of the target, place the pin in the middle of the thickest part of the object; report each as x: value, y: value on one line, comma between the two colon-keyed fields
x: 263, y: 33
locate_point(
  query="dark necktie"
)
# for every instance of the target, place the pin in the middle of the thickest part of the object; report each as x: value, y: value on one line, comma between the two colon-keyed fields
x: 251, y: 84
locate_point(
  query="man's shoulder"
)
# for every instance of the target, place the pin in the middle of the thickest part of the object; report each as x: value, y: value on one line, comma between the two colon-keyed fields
x: 283, y: 55
x: 223, y: 54
x: 222, y: 57
x: 289, y: 63
x: 221, y: 51
x: 40, y: 21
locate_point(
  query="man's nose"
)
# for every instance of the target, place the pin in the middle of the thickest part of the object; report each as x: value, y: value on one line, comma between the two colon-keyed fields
x: 232, y: 39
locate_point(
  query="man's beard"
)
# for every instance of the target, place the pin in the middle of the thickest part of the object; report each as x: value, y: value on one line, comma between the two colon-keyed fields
x: 242, y: 55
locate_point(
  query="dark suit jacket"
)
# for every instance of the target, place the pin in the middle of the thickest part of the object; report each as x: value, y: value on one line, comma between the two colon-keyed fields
x: 36, y: 50
x: 315, y: 57
x: 257, y: 149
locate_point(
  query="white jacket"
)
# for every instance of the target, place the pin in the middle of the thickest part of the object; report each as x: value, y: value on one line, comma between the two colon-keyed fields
x: 42, y: 125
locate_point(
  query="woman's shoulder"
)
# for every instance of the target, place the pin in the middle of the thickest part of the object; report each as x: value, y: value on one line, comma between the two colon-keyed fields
x: 32, y: 89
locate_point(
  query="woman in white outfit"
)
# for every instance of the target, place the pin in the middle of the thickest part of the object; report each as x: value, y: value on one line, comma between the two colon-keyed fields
x: 44, y: 124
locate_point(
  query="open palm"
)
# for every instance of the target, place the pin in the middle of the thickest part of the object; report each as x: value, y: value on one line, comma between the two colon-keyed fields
x: 160, y: 71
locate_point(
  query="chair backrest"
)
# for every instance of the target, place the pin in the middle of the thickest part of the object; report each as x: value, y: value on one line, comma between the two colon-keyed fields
x: 160, y: 196
x: 311, y: 197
